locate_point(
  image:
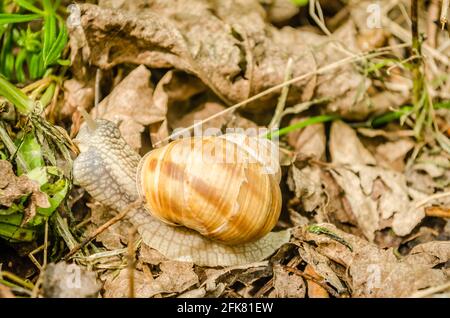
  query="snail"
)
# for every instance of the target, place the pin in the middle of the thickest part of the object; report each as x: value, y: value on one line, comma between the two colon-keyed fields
x: 196, y: 208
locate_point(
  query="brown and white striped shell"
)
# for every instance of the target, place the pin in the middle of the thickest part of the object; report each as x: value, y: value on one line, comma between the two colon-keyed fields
x: 226, y: 188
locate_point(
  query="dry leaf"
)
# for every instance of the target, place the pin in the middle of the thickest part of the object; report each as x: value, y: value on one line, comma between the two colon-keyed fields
x: 310, y: 141
x: 131, y: 104
x: 321, y: 266
x: 392, y: 154
x: 175, y: 277
x: 429, y: 173
x: 228, y: 120
x: 76, y: 94
x: 346, y: 148
x: 374, y: 272
x: 307, y: 185
x: 116, y: 235
x: 377, y: 195
x: 214, y: 41
x: 13, y: 188
x: 286, y: 284
x: 314, y: 289
x: 150, y: 256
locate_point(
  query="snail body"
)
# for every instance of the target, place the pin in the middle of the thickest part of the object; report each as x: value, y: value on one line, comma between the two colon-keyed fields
x: 111, y: 172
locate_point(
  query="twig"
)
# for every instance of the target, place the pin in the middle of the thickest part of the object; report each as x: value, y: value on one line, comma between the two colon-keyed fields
x: 417, y: 52
x: 444, y: 13
x: 431, y: 198
x: 432, y: 15
x: 64, y: 232
x: 102, y: 228
x: 430, y: 291
x: 35, y: 291
x: 44, y: 265
x: 131, y: 262
x: 98, y: 78
x: 275, y: 122
x: 33, y: 259
x: 16, y: 279
x: 438, y: 212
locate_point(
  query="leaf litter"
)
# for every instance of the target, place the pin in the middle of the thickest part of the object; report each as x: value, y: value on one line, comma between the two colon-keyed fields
x: 352, y: 192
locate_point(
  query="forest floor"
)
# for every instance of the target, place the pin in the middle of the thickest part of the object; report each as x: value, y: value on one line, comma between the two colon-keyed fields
x: 357, y: 92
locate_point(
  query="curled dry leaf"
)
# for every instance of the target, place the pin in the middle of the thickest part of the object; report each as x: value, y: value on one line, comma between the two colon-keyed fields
x: 174, y: 277
x: 314, y: 289
x: 228, y: 120
x: 346, y: 148
x: 286, y: 284
x: 214, y: 41
x: 116, y: 235
x: 321, y: 266
x: 310, y: 141
x: 375, y: 272
x: 13, y: 188
x: 392, y: 154
x: 377, y: 197
x: 307, y: 185
x: 76, y: 94
x: 131, y: 104
x: 429, y: 172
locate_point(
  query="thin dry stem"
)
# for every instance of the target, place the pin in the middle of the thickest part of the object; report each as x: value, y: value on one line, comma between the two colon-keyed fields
x: 433, y: 197
x: 102, y: 228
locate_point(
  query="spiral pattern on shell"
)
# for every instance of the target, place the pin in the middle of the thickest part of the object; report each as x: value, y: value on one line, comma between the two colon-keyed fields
x: 226, y: 188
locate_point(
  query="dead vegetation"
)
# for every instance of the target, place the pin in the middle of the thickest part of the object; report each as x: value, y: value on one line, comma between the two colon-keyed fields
x: 366, y: 178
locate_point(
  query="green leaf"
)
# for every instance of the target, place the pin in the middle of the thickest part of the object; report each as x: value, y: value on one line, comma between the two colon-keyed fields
x: 65, y: 62
x: 33, y: 65
x: 56, y: 190
x: 49, y: 35
x: 300, y: 3
x: 12, y: 209
x: 15, y: 96
x: 9, y: 66
x: 20, y: 59
x: 55, y: 198
x: 301, y: 124
x: 14, y: 233
x: 47, y: 97
x: 13, y: 219
x: 5, y: 50
x: 31, y: 152
x: 6, y: 18
x: 57, y: 47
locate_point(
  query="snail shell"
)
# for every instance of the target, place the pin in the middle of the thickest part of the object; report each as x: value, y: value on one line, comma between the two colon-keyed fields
x: 226, y: 188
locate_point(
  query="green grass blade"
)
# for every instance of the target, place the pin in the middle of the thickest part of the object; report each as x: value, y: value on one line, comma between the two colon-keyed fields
x: 20, y: 59
x: 57, y: 47
x: 15, y: 233
x: 6, y: 18
x: 301, y: 124
x: 16, y: 96
x: 49, y: 35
